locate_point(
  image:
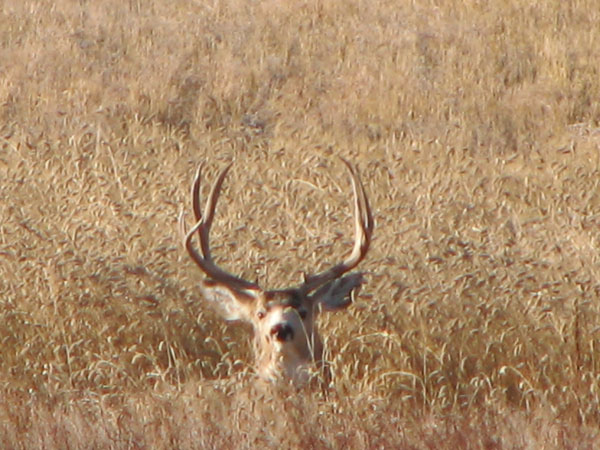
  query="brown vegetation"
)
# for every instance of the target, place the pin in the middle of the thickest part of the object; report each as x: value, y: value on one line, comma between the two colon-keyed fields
x: 476, y: 129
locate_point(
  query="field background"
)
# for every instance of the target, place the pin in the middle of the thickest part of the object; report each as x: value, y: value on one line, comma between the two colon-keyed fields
x: 475, y: 125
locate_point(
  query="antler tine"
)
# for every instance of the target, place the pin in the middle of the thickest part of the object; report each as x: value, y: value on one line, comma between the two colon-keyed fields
x: 363, y: 231
x: 202, y: 227
x: 364, y: 223
x: 209, y: 209
x: 196, y: 193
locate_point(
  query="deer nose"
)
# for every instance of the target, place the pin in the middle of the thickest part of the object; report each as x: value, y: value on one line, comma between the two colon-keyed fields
x: 283, y: 332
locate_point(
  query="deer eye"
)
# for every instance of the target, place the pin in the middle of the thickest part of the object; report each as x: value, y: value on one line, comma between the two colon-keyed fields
x: 302, y: 313
x: 261, y: 315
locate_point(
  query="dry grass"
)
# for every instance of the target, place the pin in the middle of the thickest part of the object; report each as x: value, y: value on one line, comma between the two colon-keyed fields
x: 476, y: 128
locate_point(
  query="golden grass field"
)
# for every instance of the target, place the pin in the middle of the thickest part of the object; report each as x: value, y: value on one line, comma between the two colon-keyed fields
x: 476, y: 128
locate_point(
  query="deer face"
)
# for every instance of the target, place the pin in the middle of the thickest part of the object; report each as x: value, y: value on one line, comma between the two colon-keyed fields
x: 284, y: 319
x: 286, y: 341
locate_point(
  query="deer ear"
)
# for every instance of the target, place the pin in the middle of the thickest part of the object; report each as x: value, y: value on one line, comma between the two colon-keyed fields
x: 231, y: 304
x: 337, y: 294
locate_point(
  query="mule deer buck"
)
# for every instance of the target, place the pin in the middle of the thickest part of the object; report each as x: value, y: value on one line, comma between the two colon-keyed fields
x: 286, y: 342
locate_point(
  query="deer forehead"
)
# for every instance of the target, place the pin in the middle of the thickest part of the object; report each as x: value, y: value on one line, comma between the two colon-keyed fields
x: 281, y: 299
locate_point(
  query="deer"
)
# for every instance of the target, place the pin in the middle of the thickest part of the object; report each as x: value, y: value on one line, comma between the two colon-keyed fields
x: 287, y: 345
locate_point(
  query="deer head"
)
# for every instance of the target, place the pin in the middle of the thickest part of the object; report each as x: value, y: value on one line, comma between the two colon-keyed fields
x: 286, y: 342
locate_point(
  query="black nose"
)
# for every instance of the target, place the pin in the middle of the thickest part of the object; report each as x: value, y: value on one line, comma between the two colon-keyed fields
x: 282, y: 332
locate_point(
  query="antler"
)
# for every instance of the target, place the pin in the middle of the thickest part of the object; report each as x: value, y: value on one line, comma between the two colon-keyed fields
x: 204, y: 221
x: 363, y: 230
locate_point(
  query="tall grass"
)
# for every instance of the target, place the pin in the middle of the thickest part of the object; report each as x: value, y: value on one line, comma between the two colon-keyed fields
x: 476, y: 129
